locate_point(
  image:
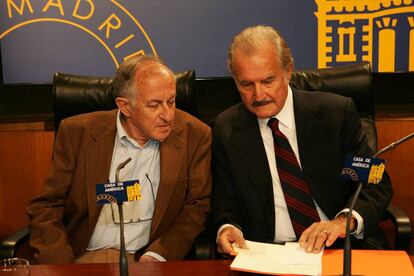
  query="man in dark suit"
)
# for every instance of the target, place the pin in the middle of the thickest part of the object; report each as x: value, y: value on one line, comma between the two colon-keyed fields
x: 170, y: 153
x: 249, y: 199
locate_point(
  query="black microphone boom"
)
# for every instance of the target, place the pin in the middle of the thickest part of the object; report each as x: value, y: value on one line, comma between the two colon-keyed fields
x: 123, y: 261
x: 394, y: 144
x: 347, y: 246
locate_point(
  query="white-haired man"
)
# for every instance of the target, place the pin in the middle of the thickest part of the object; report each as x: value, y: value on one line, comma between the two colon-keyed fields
x: 277, y: 157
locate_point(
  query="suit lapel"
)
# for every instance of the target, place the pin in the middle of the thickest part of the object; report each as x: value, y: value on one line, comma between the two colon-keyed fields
x: 171, y: 157
x: 310, y: 136
x: 98, y: 161
x: 248, y: 142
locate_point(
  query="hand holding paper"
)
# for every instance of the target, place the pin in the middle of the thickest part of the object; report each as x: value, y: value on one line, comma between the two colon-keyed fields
x: 228, y: 237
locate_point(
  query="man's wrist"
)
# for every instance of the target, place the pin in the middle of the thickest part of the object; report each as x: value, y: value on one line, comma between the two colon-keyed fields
x: 353, y: 224
x: 226, y: 226
x: 358, y: 230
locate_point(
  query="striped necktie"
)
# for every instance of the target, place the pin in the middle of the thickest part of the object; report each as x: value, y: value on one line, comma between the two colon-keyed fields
x: 301, y: 208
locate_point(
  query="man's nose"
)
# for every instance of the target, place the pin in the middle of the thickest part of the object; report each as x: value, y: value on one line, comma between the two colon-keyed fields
x: 258, y: 92
x: 167, y: 112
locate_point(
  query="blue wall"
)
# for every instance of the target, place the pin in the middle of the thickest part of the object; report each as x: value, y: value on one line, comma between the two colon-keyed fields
x: 186, y: 33
x: 40, y: 37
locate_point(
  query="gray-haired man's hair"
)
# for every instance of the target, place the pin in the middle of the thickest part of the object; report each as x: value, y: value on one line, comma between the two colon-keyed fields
x: 124, y: 84
x: 253, y: 39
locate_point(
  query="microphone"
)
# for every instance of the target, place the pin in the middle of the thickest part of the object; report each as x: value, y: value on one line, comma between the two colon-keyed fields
x: 123, y: 261
x: 362, y: 164
x: 119, y: 192
x: 394, y: 144
x: 120, y: 167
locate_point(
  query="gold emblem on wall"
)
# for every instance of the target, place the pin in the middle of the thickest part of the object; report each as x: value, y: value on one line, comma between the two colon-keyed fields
x: 366, y: 30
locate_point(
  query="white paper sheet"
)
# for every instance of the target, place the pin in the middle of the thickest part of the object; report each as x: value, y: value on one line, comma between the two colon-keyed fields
x: 277, y: 259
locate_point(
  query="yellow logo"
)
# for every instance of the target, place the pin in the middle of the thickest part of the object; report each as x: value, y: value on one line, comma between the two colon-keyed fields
x: 375, y: 174
x: 134, y: 192
x: 112, y: 25
x: 378, y: 31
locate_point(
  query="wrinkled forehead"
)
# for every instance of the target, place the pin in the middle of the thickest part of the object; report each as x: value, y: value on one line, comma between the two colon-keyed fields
x: 153, y: 70
x: 261, y: 49
x: 154, y: 79
x: 154, y: 75
x: 264, y: 59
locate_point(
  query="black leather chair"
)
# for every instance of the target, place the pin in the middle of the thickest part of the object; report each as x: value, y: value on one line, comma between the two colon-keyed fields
x: 353, y: 81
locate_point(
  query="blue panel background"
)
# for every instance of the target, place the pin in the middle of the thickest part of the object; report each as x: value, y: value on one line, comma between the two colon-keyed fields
x: 187, y: 34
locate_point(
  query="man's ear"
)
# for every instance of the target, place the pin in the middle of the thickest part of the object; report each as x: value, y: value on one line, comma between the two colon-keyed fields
x: 289, y: 72
x: 122, y: 104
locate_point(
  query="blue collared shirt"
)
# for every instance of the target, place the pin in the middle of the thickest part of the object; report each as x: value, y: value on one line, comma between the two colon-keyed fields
x: 145, y: 167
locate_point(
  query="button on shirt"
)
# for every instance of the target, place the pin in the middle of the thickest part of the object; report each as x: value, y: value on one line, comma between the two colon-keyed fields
x: 145, y: 167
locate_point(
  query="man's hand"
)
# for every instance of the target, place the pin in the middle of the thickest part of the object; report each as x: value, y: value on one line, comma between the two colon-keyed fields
x: 227, y: 237
x: 324, y: 233
x: 147, y: 259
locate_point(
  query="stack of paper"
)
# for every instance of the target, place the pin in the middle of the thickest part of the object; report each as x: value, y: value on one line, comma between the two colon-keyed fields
x: 277, y: 259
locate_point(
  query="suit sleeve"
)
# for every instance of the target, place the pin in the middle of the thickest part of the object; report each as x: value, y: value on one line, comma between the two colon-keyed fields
x: 225, y: 210
x: 374, y: 199
x: 176, y: 241
x: 48, y: 236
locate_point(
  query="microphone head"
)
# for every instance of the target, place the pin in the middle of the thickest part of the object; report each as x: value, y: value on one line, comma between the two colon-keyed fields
x: 120, y: 167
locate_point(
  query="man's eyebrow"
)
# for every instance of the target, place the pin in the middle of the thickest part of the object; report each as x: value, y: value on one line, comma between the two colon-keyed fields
x: 243, y: 81
x: 269, y: 78
x: 154, y: 101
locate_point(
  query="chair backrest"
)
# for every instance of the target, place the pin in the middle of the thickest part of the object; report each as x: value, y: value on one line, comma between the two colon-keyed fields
x: 74, y: 94
x: 353, y: 81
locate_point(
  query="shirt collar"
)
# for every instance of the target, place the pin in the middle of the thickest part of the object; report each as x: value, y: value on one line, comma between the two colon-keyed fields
x: 286, y: 115
x: 123, y: 137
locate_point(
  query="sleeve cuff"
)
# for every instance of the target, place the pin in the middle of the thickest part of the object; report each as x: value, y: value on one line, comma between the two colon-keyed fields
x: 224, y: 226
x: 359, y: 231
x: 155, y: 256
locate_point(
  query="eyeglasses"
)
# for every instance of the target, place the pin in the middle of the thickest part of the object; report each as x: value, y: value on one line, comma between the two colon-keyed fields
x: 129, y: 212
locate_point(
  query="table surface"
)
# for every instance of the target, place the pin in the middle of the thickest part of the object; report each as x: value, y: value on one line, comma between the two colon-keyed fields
x: 380, y: 263
x: 208, y: 267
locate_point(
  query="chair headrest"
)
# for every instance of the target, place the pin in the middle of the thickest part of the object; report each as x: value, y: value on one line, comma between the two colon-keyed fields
x: 75, y: 94
x: 353, y: 81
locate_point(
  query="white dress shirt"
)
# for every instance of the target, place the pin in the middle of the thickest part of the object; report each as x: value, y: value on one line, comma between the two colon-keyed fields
x: 284, y: 229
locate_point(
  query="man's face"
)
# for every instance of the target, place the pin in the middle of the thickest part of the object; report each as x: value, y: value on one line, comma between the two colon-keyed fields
x: 152, y: 114
x: 261, y: 82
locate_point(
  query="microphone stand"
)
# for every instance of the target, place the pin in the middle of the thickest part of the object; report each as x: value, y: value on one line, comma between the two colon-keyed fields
x: 347, y: 245
x: 123, y: 261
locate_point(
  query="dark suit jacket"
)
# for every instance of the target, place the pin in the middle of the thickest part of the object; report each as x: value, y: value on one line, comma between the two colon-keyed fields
x: 63, y: 217
x: 328, y: 127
